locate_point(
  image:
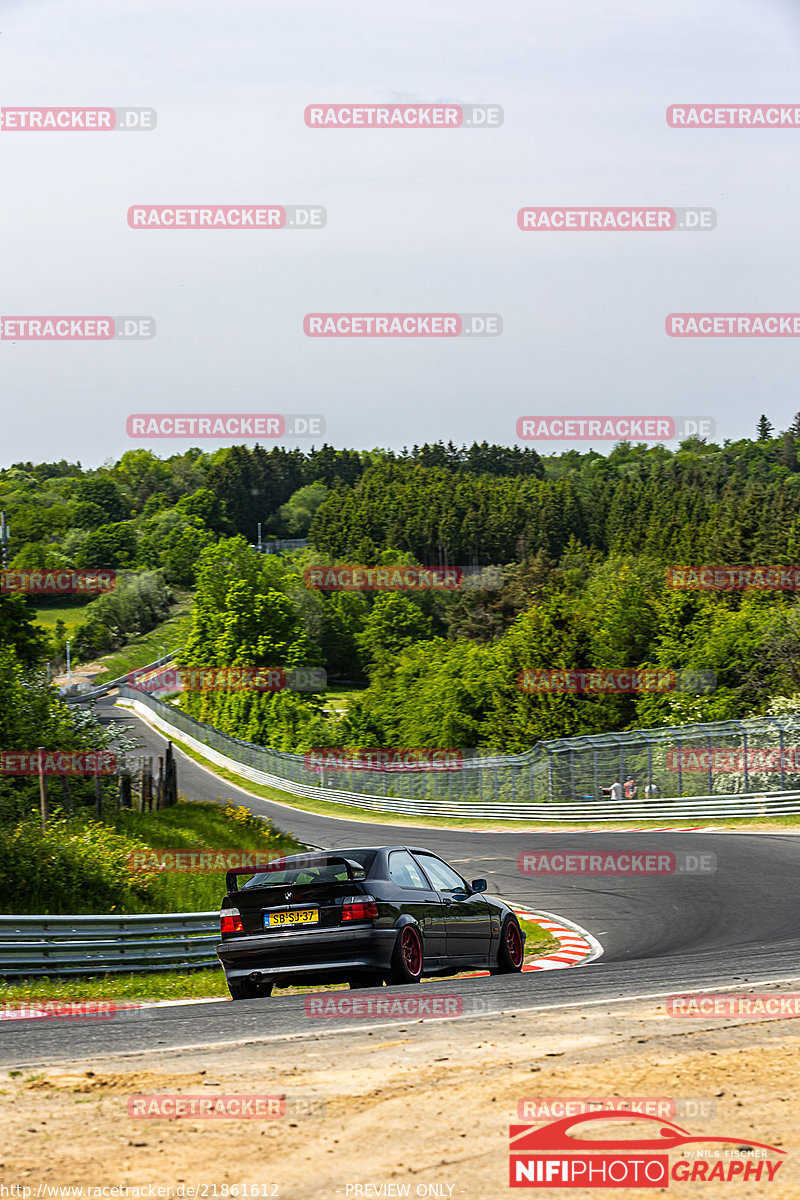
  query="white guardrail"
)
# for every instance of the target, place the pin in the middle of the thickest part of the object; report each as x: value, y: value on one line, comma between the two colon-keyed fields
x: 95, y: 693
x: 76, y: 945
x: 740, y: 804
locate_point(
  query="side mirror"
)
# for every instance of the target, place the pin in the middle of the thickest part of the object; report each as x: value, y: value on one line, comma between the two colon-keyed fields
x: 479, y: 885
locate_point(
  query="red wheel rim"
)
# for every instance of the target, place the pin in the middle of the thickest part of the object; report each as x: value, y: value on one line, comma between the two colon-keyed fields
x: 412, y: 951
x: 514, y: 943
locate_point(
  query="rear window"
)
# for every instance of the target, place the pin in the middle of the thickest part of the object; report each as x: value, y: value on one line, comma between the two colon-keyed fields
x: 303, y: 875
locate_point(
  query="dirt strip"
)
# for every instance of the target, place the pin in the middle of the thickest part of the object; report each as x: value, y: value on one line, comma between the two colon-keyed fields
x: 420, y: 1110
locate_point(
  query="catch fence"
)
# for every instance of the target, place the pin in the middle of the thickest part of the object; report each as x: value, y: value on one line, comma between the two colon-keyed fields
x: 719, y: 768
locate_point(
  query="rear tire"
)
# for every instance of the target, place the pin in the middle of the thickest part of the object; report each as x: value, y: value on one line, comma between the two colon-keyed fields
x: 511, y: 953
x: 407, y: 956
x: 245, y: 989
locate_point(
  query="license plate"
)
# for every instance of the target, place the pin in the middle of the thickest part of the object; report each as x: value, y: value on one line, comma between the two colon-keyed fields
x: 300, y: 916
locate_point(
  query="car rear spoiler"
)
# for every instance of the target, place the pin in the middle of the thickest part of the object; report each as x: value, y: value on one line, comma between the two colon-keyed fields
x: 354, y: 869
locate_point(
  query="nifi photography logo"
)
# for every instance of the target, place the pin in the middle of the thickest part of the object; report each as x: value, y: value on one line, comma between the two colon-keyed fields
x: 550, y: 1156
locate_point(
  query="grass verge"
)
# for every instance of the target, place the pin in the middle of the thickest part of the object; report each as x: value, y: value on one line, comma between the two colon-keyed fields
x: 72, y: 615
x: 169, y: 635
x: 84, y: 866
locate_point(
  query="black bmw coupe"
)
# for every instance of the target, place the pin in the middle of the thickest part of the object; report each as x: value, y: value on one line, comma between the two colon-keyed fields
x: 364, y: 916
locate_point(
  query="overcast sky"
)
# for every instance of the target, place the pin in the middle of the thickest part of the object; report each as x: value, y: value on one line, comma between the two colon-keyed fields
x: 418, y: 221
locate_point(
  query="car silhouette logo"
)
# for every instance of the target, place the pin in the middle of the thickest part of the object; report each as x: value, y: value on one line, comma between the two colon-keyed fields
x: 668, y: 1136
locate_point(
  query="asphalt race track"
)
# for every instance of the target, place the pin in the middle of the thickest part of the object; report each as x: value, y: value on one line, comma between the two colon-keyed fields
x: 735, y: 927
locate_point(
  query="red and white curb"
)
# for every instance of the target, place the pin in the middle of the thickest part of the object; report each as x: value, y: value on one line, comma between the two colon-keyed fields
x: 659, y: 829
x: 620, y: 829
x: 575, y: 944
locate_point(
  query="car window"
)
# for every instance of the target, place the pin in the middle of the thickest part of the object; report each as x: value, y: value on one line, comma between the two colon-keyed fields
x: 441, y: 876
x: 308, y: 873
x: 332, y: 873
x: 359, y: 854
x: 404, y: 871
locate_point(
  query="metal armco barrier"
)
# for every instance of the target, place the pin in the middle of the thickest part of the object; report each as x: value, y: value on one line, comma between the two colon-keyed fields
x: 233, y: 755
x: 105, y: 688
x: 76, y: 945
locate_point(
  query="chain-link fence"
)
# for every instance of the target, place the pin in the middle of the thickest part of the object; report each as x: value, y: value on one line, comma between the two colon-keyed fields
x: 720, y: 758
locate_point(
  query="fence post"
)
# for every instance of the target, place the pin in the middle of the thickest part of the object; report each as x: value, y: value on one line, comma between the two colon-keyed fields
x: 98, y: 795
x: 160, y: 784
x: 43, y: 806
x: 147, y: 784
x: 710, y: 770
x: 172, y: 777
x: 124, y: 790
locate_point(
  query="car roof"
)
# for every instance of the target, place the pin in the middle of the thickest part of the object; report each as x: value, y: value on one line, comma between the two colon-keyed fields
x: 348, y: 849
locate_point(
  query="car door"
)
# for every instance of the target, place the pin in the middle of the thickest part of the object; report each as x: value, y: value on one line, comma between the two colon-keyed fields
x: 467, y: 915
x: 416, y: 897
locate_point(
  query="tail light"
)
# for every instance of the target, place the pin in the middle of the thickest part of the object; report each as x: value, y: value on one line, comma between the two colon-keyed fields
x: 359, y: 908
x: 230, y: 921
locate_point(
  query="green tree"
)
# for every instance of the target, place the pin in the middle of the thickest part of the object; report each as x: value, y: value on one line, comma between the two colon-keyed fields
x: 787, y: 456
x: 18, y: 633
x: 109, y: 546
x: 297, y: 513
x: 394, y: 623
x: 763, y: 429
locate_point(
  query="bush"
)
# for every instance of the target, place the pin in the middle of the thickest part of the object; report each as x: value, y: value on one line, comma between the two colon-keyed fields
x: 134, y: 608
x: 76, y: 865
x: 81, y: 865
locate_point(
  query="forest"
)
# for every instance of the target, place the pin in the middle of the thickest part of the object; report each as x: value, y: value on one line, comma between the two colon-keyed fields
x: 565, y: 561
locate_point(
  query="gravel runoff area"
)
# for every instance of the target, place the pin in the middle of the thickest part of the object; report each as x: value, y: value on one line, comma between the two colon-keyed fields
x: 409, y: 1108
